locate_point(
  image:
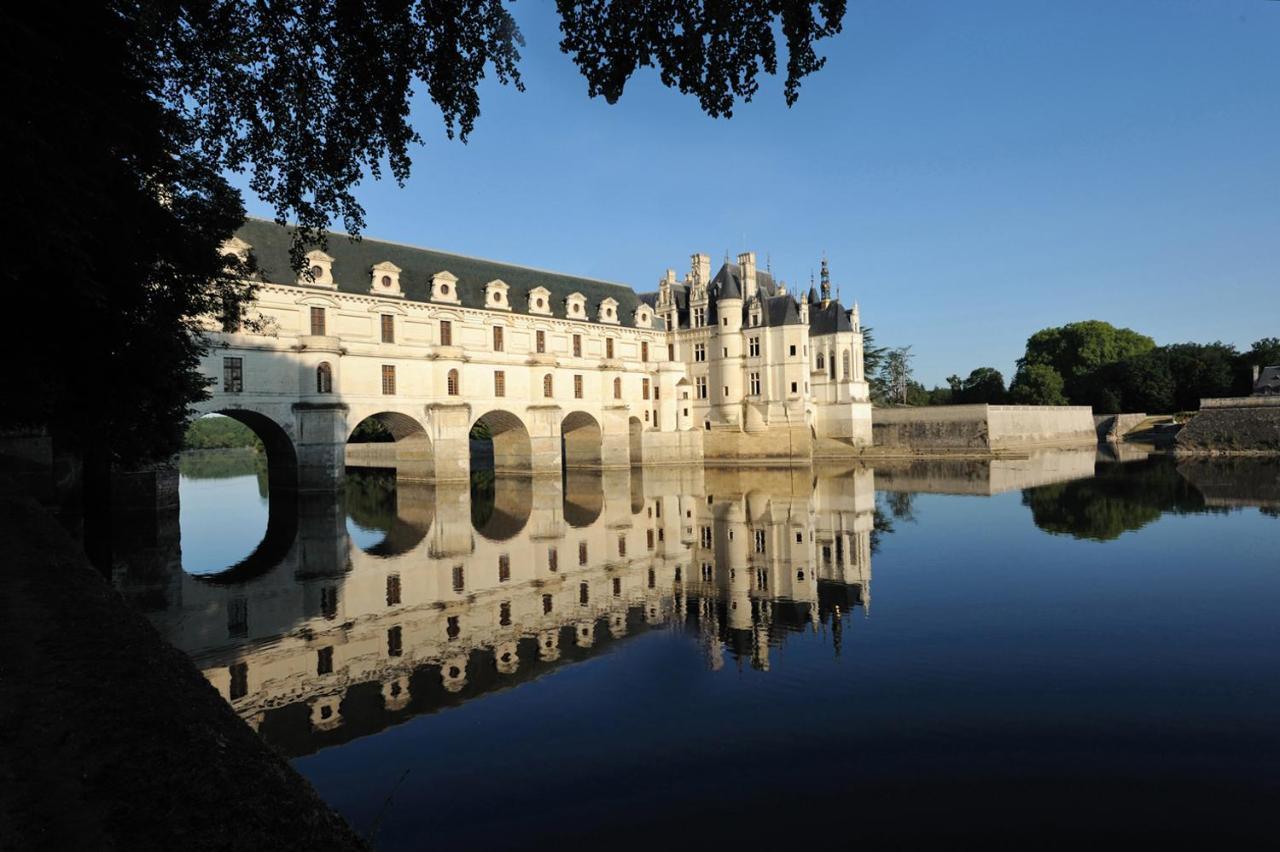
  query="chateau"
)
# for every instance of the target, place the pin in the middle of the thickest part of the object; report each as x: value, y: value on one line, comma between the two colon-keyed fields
x: 561, y: 371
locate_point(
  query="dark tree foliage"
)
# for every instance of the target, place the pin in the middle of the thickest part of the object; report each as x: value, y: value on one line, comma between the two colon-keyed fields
x: 714, y: 49
x: 124, y: 116
x: 1037, y: 384
x: 983, y: 385
x: 1076, y: 350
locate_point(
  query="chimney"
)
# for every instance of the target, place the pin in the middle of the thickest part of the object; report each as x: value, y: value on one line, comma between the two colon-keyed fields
x: 701, y: 269
x: 747, y: 260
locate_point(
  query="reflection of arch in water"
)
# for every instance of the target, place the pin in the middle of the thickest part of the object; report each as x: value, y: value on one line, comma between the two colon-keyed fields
x: 583, y: 497
x: 500, y: 505
x: 282, y: 459
x: 282, y: 532
x: 635, y: 432
x: 581, y: 440
x: 512, y: 451
x: 409, y: 449
x: 402, y: 511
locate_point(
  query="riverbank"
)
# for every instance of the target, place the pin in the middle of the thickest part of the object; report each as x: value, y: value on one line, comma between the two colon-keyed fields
x: 110, y: 738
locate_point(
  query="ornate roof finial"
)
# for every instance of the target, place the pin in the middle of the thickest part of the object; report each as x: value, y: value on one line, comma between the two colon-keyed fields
x: 826, y: 279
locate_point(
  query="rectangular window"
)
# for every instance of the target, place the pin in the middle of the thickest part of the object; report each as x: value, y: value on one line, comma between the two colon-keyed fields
x: 577, y: 387
x: 755, y: 384
x: 459, y: 579
x: 499, y: 383
x: 794, y: 389
x: 699, y: 317
x: 497, y: 338
x: 553, y: 560
x: 753, y: 347
x: 546, y: 604
x: 446, y: 333
x: 504, y: 568
x: 608, y: 347
x: 394, y: 646
x: 622, y: 545
x: 393, y: 590
x: 617, y: 587
x: 644, y: 350
x: 540, y: 341
x: 388, y: 380
x: 725, y: 393
x: 793, y: 352
x: 582, y: 553
x: 644, y: 388
x: 759, y: 541
x: 704, y: 534
x: 233, y: 375
x: 577, y: 346
x: 324, y: 661
x: 649, y: 538
x: 699, y: 351
x: 329, y: 602
x: 239, y: 680
x: 388, y: 328
x: 453, y: 627
x: 702, y: 387
x: 238, y: 618
x: 584, y: 594
x: 317, y: 321
x: 504, y: 614
x: 671, y: 352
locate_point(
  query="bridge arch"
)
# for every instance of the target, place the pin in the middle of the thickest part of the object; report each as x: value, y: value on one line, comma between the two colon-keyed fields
x: 392, y: 439
x: 282, y: 457
x: 581, y: 440
x: 583, y: 500
x: 635, y: 434
x: 500, y: 505
x: 507, y: 436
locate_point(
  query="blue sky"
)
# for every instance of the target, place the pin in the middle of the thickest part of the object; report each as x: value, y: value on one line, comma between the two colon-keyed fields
x: 974, y: 170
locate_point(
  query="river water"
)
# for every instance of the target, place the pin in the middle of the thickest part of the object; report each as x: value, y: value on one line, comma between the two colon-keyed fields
x: 1039, y: 649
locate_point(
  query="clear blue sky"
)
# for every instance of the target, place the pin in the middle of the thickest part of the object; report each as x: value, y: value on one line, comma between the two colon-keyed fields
x: 975, y: 171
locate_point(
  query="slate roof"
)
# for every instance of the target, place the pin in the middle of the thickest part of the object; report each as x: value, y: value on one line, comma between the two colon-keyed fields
x: 829, y: 320
x: 1268, y: 381
x: 354, y: 260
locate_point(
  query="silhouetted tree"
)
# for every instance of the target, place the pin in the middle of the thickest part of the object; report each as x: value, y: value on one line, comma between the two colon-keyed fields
x: 1037, y: 384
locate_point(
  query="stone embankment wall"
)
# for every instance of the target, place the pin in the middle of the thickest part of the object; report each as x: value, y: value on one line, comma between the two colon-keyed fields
x: 982, y: 428
x: 1113, y: 427
x: 1249, y: 424
x: 110, y: 738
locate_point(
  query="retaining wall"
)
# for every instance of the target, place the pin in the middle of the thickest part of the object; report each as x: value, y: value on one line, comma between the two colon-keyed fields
x: 982, y: 428
x: 1233, y: 424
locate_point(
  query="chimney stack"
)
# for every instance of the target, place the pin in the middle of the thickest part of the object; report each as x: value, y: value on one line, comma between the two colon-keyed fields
x: 747, y: 260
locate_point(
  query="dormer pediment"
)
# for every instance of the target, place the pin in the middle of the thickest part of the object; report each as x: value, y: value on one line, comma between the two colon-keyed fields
x: 643, y: 316
x: 444, y: 287
x: 540, y: 301
x: 495, y: 295
x: 318, y: 271
x: 576, y: 306
x: 238, y: 247
x: 385, y: 279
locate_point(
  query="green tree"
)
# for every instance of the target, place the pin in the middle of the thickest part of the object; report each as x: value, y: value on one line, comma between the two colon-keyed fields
x: 123, y: 118
x: 895, y: 373
x: 872, y: 366
x: 1201, y: 371
x: 1077, y: 350
x: 1143, y: 383
x: 984, y: 385
x: 1263, y: 353
x: 1037, y: 384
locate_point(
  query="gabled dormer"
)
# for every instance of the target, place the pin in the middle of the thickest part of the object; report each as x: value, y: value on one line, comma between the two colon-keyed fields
x: 608, y: 312
x: 444, y: 287
x: 237, y: 247
x: 540, y: 301
x: 385, y: 280
x: 495, y: 295
x: 755, y: 312
x: 575, y: 306
x: 643, y: 316
x: 318, y: 271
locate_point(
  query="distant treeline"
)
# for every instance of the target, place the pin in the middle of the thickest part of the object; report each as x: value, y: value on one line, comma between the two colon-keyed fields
x: 219, y: 433
x: 1111, y: 369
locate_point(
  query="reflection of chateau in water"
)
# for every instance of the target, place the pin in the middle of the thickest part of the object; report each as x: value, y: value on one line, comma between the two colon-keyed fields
x: 315, y: 640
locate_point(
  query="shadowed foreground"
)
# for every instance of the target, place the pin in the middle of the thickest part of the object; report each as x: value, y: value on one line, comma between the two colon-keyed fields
x: 110, y: 738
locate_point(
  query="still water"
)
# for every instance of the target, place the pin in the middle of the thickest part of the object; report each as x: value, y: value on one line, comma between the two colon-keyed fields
x: 1045, y: 648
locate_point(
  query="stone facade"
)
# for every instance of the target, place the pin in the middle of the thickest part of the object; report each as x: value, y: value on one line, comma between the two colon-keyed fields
x: 563, y: 371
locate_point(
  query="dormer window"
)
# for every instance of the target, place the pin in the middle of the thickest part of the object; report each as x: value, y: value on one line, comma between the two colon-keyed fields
x: 609, y: 311
x: 444, y: 287
x: 576, y: 306
x: 385, y: 280
x: 236, y: 249
x: 495, y: 295
x: 643, y: 317
x: 319, y: 270
x: 540, y: 301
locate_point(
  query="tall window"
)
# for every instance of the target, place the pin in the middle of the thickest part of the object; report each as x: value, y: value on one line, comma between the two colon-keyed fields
x: 499, y: 383
x: 644, y: 350
x: 459, y: 579
x: 699, y: 351
x: 577, y: 387
x: 446, y: 333
x: 699, y: 317
x: 548, y: 390
x: 324, y: 378
x: 388, y: 328
x: 388, y: 379
x: 393, y: 589
x: 553, y: 560
x: 577, y: 346
x: 644, y: 388
x: 608, y: 347
x: 395, y: 645
x: 238, y: 618
x: 832, y: 365
x: 822, y: 364
x: 452, y: 383
x: 671, y: 352
x: 329, y: 602
x: 540, y: 342
x: 504, y: 568
x: 233, y: 375
x: 845, y: 362
x: 617, y: 388
x: 755, y: 384
x: 547, y: 604
x: 317, y: 321
x: 753, y: 347
x: 239, y: 680
x: 497, y: 338
x: 701, y: 382
x: 582, y: 553
x: 324, y: 660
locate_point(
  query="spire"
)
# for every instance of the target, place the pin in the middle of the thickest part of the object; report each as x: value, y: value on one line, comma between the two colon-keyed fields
x: 826, y: 279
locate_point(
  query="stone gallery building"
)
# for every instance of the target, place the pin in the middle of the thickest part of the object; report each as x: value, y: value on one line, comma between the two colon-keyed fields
x: 561, y: 371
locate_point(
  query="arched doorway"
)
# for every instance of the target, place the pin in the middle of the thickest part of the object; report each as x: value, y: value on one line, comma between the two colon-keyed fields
x: 581, y: 441
x: 500, y: 442
x: 390, y: 439
x: 635, y: 431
